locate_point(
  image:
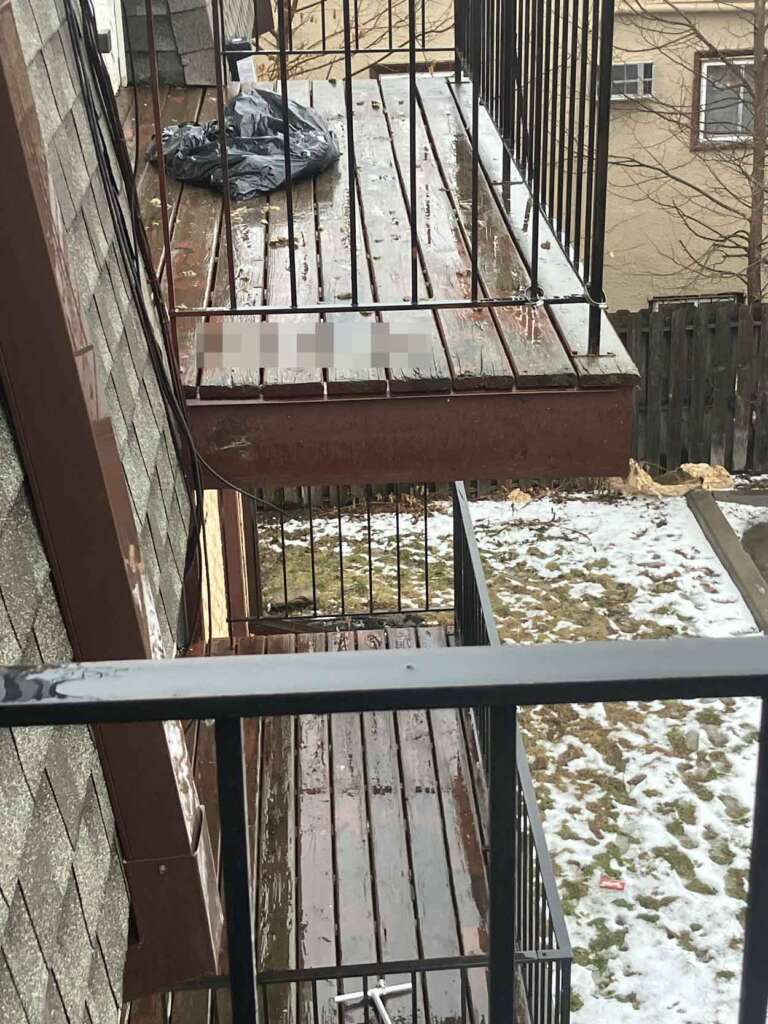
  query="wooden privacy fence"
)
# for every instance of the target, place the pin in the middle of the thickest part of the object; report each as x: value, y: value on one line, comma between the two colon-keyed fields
x: 703, y: 395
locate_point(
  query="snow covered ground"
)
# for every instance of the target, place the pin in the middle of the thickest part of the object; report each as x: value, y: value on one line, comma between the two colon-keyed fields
x: 657, y: 795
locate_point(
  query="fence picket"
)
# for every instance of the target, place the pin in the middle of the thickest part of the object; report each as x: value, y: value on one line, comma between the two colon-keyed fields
x: 746, y: 374
x: 678, y: 375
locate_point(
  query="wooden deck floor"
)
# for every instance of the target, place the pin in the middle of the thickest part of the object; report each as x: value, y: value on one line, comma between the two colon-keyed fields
x: 367, y: 847
x: 472, y: 350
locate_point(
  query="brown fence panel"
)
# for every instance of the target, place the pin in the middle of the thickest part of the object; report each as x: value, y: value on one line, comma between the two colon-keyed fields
x: 703, y: 393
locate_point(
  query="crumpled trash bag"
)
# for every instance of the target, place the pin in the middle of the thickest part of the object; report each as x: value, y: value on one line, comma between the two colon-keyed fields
x: 255, y: 146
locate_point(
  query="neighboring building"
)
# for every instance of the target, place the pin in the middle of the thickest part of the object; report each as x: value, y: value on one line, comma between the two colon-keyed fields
x: 675, y: 106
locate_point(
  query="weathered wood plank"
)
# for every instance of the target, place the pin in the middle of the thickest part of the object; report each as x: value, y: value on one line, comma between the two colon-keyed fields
x: 613, y: 366
x: 477, y: 357
x: 723, y: 379
x: 700, y: 359
x: 657, y: 361
x: 332, y: 199
x: 341, y: 640
x: 538, y: 356
x: 289, y: 382
x: 760, y: 449
x: 191, y: 1007
x: 316, y: 913
x: 371, y: 639
x: 193, y: 257
x: 400, y: 637
x: 387, y: 229
x: 749, y: 580
x: 310, y: 643
x: 746, y: 378
x: 678, y: 378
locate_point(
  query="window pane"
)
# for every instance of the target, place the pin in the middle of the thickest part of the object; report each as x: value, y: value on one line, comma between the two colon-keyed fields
x: 721, y: 101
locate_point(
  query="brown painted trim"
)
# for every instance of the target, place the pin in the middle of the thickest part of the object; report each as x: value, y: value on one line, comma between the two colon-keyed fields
x: 231, y: 518
x: 51, y: 380
x: 485, y: 436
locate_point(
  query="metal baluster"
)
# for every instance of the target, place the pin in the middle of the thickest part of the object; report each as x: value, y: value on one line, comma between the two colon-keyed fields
x: 235, y: 859
x: 426, y: 549
x: 351, y: 158
x: 341, y: 548
x: 283, y: 62
x: 218, y: 60
x: 501, y: 803
x: 601, y: 176
x: 312, y: 550
x: 370, y: 552
x: 283, y: 559
x: 754, y: 977
x: 397, y: 548
x: 412, y: 150
x: 476, y: 35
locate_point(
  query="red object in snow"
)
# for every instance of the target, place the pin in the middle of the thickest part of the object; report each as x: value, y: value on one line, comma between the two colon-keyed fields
x: 617, y: 884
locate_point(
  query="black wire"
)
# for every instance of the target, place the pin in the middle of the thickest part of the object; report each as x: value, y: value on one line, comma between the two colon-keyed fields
x: 134, y: 250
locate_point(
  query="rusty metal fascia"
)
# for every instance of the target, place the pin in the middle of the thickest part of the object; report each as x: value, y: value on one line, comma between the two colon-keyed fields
x: 478, y: 436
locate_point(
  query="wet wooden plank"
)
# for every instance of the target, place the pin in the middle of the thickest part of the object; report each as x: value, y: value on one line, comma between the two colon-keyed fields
x: 286, y: 383
x: 474, y: 349
x: 193, y: 257
x: 281, y: 643
x: 180, y: 105
x: 146, y: 122
x: 149, y: 1010
x: 613, y: 366
x: 388, y: 234
x: 316, y: 913
x: 276, y: 898
x: 538, y: 356
x: 251, y: 645
x: 332, y: 200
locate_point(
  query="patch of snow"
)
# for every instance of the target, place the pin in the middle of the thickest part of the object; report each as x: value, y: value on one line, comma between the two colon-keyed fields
x: 742, y: 517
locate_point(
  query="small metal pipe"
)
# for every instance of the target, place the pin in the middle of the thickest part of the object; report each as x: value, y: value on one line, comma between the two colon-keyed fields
x: 218, y: 60
x: 164, y: 216
x: 413, y: 198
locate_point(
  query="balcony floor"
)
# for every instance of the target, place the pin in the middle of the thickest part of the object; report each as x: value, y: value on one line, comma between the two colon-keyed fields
x: 367, y: 845
x: 517, y: 374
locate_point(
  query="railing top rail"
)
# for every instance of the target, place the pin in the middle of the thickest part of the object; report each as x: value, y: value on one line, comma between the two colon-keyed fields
x: 250, y: 686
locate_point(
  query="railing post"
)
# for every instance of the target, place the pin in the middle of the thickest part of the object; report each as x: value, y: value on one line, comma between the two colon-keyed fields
x: 502, y: 816
x: 754, y: 976
x: 600, y: 194
x: 235, y: 858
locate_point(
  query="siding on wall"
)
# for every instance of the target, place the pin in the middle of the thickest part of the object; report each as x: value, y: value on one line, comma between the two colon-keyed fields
x: 63, y: 899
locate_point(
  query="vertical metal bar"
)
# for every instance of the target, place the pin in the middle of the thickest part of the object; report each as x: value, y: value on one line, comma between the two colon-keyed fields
x: 475, y: 28
x: 323, y: 30
x: 218, y: 59
x: 412, y: 150
x: 351, y: 158
x: 414, y: 1000
x: 562, y: 121
x: 341, y: 548
x: 581, y: 135
x: 592, y: 107
x: 313, y: 568
x: 537, y: 147
x: 366, y: 1001
x: 601, y: 176
x: 168, y: 265
x: 282, y: 551
x: 426, y: 548
x: 571, y: 129
x: 370, y: 551
x: 283, y: 62
x: 463, y: 976
x: 458, y: 42
x: 315, y: 1007
x: 553, y: 60
x: 235, y: 859
x: 754, y: 977
x: 397, y: 548
x: 501, y: 804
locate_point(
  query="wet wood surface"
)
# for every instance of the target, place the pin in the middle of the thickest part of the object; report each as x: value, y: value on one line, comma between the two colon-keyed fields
x: 507, y: 348
x: 367, y: 847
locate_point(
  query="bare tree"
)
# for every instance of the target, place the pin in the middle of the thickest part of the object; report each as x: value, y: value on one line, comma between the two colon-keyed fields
x: 713, y: 182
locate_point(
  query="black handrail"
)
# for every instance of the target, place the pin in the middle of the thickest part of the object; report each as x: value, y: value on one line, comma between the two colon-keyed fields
x: 503, y: 677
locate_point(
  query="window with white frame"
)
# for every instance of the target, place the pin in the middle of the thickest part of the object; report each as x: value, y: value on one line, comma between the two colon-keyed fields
x: 631, y: 81
x: 726, y: 95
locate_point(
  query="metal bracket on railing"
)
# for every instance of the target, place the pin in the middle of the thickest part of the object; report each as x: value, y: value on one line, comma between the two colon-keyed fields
x: 377, y: 995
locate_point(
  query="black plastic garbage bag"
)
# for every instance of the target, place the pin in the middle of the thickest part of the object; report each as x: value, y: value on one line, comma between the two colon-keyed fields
x: 255, y: 146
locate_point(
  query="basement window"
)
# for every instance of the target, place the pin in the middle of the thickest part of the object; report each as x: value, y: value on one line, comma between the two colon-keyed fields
x: 631, y: 81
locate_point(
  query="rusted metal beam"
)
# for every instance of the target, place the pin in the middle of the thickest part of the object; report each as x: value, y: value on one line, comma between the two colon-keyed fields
x: 51, y: 381
x: 485, y: 436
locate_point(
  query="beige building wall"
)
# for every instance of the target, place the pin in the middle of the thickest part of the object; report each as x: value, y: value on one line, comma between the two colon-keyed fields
x: 646, y: 244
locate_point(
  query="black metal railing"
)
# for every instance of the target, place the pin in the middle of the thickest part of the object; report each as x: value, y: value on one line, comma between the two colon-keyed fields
x: 540, y: 921
x: 345, y: 553
x: 542, y: 68
x: 502, y: 678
